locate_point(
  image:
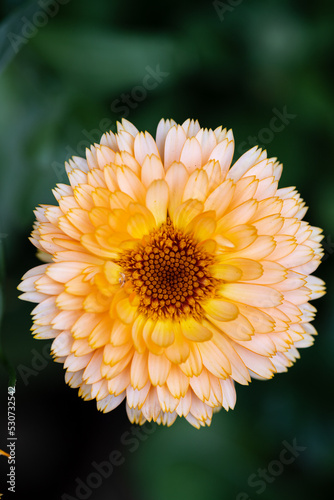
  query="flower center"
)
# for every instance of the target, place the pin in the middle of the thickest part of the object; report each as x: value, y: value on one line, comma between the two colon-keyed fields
x: 169, y: 271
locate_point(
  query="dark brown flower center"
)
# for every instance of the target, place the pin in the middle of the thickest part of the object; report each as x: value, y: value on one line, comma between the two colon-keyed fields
x: 169, y: 271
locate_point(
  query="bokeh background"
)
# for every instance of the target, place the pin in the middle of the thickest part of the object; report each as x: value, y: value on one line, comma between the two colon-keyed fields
x: 69, y: 70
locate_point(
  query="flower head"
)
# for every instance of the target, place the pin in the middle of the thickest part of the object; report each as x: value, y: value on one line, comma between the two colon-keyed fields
x: 170, y: 275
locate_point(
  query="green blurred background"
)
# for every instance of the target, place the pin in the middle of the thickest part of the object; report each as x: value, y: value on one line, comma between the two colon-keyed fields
x: 69, y: 70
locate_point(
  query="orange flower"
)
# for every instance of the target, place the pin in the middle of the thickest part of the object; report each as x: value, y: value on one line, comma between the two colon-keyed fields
x: 169, y: 275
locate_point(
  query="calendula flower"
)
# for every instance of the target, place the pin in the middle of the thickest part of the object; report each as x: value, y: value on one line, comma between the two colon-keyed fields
x: 169, y: 275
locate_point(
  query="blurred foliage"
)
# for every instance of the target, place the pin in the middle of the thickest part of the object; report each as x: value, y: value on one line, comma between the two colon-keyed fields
x: 62, y: 85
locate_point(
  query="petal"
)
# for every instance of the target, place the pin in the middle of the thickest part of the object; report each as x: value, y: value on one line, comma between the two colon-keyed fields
x: 191, y: 154
x: 163, y: 333
x: 157, y: 200
x: 196, y: 187
x: 144, y: 145
x: 152, y: 170
x: 208, y: 142
x: 162, y: 130
x: 221, y: 310
x: 195, y: 331
x: 177, y: 382
x: 176, y: 178
x: 223, y: 153
x: 214, y: 359
x: 130, y: 184
x: 252, y: 295
x: 245, y: 162
x: 174, y: 142
x: 220, y: 198
x: 158, y: 368
x: 186, y: 212
x: 125, y: 311
x: 139, y: 370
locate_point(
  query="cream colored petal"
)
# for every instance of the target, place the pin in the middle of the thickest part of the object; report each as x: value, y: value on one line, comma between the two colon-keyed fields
x: 270, y: 225
x: 201, y: 385
x: 174, y: 142
x: 245, y: 162
x: 191, y: 127
x: 252, y: 295
x: 260, y: 344
x: 125, y: 141
x: 139, y: 370
x: 61, y: 346
x: 239, y: 372
x: 186, y: 212
x: 196, y: 187
x: 193, y: 365
x: 152, y: 170
x: 119, y: 384
x: 68, y: 302
x: 191, y: 155
x: 135, y: 416
x: 184, y: 405
x: 176, y: 178
x: 272, y: 273
x: 261, y: 365
x: 151, y: 408
x: 208, y: 142
x: 245, y: 190
x: 130, y: 184
x: 92, y: 371
x: 229, y: 394
x: 167, y: 402
x: 237, y: 329
x: 144, y: 145
x: 162, y: 130
x: 220, y: 198
x: 266, y: 188
x: 262, y: 247
x: 157, y: 197
x: 215, y: 360
x: 104, y: 156
x: 110, y: 402
x: 128, y: 127
x: 62, y: 272
x: 223, y: 153
x: 109, y: 139
x: 249, y: 269
x: 240, y: 215
x: 75, y: 363
x: 261, y: 322
x: 177, y: 382
x: 136, y: 397
x: 212, y: 169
